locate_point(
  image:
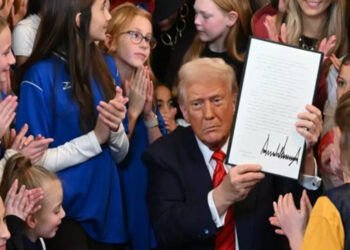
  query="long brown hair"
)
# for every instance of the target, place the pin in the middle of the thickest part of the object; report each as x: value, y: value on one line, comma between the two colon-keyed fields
x: 335, y: 24
x: 58, y: 32
x: 238, y: 33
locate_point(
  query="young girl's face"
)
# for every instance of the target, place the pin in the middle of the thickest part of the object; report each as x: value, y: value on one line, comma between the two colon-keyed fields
x: 343, y: 81
x: 164, y: 99
x: 4, y: 232
x: 314, y: 8
x: 99, y: 20
x: 211, y: 22
x: 128, y: 50
x: 51, y: 213
x: 6, y: 56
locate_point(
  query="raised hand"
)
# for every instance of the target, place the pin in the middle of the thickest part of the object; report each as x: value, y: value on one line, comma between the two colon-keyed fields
x: 336, y: 62
x: 111, y: 113
x: 24, y: 202
x: 291, y: 221
x: 148, y: 108
x: 21, y: 12
x: 310, y: 125
x: 7, y: 113
x: 326, y: 46
x: 6, y: 8
x: 137, y: 91
x: 35, y: 148
x: 270, y: 25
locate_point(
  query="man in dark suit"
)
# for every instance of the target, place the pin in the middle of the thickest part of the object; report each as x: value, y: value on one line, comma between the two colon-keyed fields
x: 189, y: 209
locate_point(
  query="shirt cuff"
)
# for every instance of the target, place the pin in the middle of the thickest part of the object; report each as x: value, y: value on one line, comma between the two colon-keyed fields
x: 310, y: 182
x: 218, y: 220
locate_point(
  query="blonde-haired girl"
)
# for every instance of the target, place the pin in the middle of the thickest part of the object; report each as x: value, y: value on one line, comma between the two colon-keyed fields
x: 223, y: 27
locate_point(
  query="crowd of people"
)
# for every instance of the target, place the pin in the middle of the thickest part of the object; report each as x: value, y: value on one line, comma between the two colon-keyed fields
x: 115, y: 120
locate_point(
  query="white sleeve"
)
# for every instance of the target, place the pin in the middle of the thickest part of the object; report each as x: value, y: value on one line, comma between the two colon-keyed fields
x: 71, y: 153
x: 22, y: 44
x: 118, y: 144
x: 218, y: 220
x: 7, y: 155
x: 310, y: 182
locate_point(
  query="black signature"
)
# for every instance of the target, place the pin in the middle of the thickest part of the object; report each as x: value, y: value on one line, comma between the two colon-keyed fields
x: 280, y: 151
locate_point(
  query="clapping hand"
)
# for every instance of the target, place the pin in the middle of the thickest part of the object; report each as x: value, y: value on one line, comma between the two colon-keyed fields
x: 289, y: 220
x: 33, y: 148
x: 7, y: 113
x: 21, y: 12
x: 24, y: 202
x: 271, y: 28
x: 326, y: 46
x: 6, y: 8
x: 110, y: 116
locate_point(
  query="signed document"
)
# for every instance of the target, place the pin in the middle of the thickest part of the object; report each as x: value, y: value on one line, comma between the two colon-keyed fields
x: 279, y: 80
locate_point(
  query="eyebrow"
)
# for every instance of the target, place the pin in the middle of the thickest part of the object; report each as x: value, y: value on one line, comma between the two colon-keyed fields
x: 139, y: 30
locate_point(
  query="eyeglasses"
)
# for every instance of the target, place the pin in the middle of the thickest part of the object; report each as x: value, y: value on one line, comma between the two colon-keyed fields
x: 137, y: 37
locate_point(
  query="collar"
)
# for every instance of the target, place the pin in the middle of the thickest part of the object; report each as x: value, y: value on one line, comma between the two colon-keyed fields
x: 208, y: 153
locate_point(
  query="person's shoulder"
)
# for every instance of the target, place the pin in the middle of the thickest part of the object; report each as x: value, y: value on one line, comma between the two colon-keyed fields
x: 42, y: 71
x: 109, y: 60
x: 31, y: 22
x: 45, y: 66
x: 178, y: 138
x: 170, y: 147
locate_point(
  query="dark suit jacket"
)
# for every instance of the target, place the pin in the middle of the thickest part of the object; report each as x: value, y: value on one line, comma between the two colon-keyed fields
x: 178, y: 186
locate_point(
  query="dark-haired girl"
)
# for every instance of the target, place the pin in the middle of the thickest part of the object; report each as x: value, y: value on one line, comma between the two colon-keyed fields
x: 64, y: 80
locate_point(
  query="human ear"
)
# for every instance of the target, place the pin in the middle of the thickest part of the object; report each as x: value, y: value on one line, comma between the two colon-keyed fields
x: 77, y: 19
x: 184, y: 112
x: 232, y: 18
x: 31, y: 221
x: 234, y: 101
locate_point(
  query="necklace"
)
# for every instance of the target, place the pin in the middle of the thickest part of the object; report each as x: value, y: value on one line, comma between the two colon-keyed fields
x: 180, y: 27
x: 307, y: 43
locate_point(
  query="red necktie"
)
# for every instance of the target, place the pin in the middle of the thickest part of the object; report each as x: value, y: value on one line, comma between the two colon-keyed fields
x: 225, y: 238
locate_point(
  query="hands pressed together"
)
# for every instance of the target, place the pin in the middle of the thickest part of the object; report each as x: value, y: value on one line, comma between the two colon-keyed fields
x: 140, y: 93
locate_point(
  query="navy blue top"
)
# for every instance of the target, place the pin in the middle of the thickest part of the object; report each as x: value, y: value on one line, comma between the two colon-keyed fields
x: 133, y: 177
x: 92, y: 194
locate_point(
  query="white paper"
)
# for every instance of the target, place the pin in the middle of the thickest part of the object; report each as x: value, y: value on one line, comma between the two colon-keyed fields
x: 278, y: 82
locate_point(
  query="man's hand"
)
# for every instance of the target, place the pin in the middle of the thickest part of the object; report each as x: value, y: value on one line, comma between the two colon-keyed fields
x: 240, y: 180
x: 310, y: 125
